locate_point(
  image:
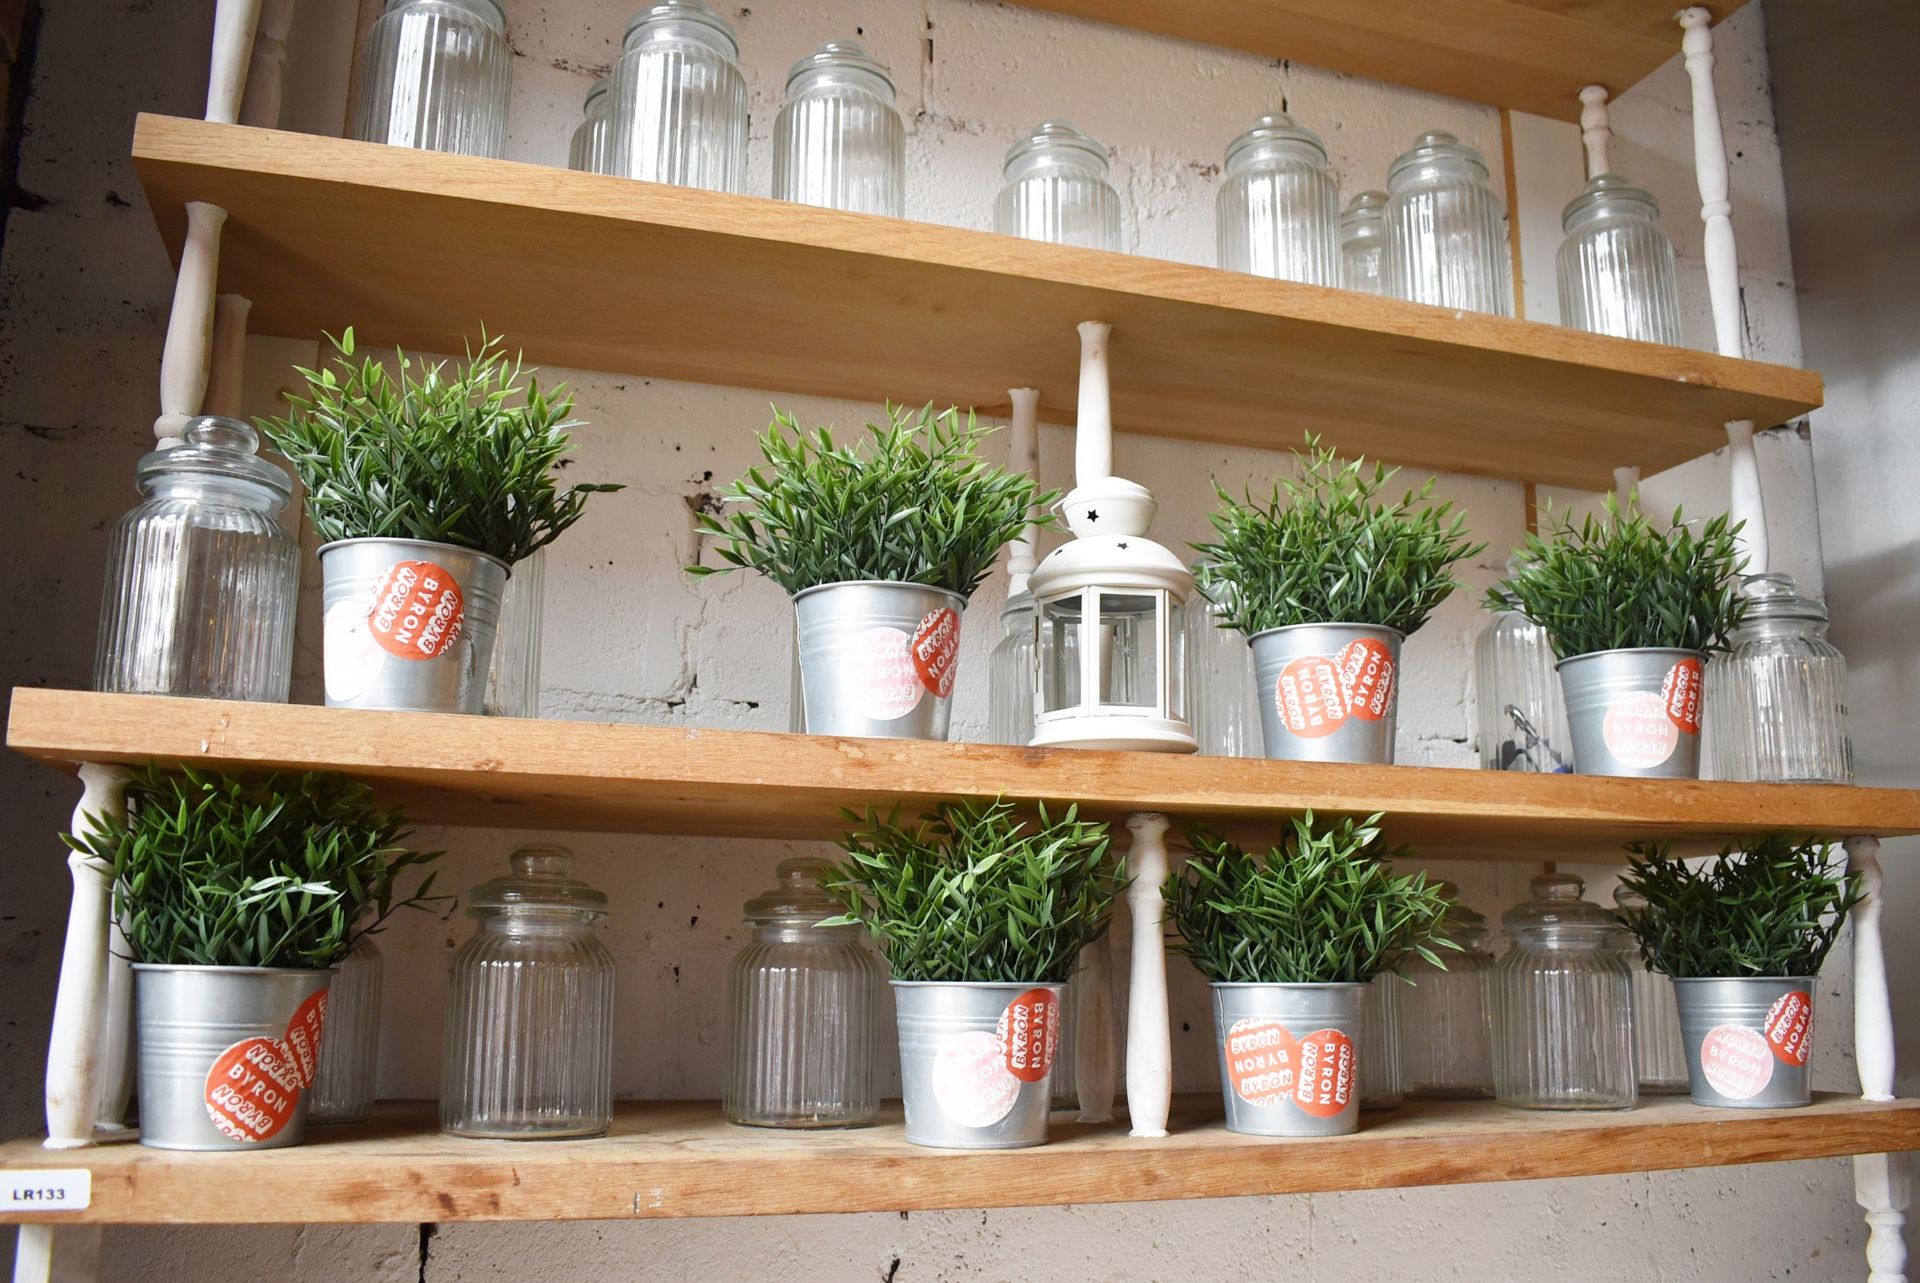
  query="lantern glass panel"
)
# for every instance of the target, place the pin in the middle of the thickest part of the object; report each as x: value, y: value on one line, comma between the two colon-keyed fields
x: 1130, y: 669
x: 1060, y: 654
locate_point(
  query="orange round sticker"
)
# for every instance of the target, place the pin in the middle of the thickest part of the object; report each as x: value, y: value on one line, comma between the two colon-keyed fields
x: 936, y: 650
x: 1263, y: 1060
x: 1790, y: 1027
x: 1366, y: 678
x: 1638, y: 731
x: 1029, y: 1032
x: 1680, y: 693
x: 884, y: 680
x: 1737, y: 1061
x: 303, y: 1037
x: 1308, y: 697
x: 417, y: 610
x: 1328, y: 1073
x: 971, y: 1082
x: 252, y: 1089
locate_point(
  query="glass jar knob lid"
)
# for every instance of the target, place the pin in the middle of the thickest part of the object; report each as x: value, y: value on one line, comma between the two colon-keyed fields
x: 1276, y: 127
x: 844, y: 53
x: 1435, y: 145
x: 542, y: 878
x: 695, y: 19
x: 1774, y: 596
x: 1051, y: 134
x: 798, y: 898
x: 1556, y: 902
x: 213, y: 445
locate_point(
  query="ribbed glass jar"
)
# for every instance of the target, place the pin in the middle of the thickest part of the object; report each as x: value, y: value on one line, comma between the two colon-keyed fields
x: 343, y: 1087
x: 1616, y: 265
x: 587, y: 150
x: 1776, y: 704
x: 202, y: 579
x: 1562, y: 1004
x: 1226, y: 714
x: 803, y: 1012
x: 1659, y: 1054
x: 677, y: 101
x: 1010, y: 675
x: 1520, y: 715
x: 513, y: 680
x: 1446, y: 230
x: 839, y: 140
x: 1445, y: 1049
x: 1363, y: 244
x: 435, y: 74
x: 1278, y: 212
x: 1381, y: 1084
x: 1057, y: 190
x: 529, y: 1031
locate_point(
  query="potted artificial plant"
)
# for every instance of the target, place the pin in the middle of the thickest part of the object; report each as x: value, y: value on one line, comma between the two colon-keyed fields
x: 1633, y: 613
x: 880, y: 544
x: 1743, y: 937
x: 237, y: 894
x: 425, y: 488
x: 1326, y: 578
x: 1290, y: 941
x: 980, y: 912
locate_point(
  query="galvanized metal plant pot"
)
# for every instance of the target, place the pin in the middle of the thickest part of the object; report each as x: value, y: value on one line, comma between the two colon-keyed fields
x: 1289, y: 1057
x: 228, y: 1055
x: 409, y: 625
x: 1635, y: 712
x: 1749, y: 1040
x: 976, y: 1062
x: 878, y: 659
x: 1328, y: 692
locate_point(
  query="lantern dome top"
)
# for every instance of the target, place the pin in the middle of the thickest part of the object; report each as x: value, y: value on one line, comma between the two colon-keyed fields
x: 1120, y: 561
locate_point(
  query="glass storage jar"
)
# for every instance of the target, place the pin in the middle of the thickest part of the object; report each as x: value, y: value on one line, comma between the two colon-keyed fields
x: 1379, y: 1050
x: 1057, y: 190
x: 1010, y: 675
x: 1776, y: 704
x: 435, y: 75
x: 1226, y: 716
x: 1446, y: 230
x: 529, y: 1032
x: 343, y: 1086
x: 677, y: 108
x: 1616, y: 265
x: 1659, y: 1054
x: 839, y: 141
x: 1278, y: 212
x: 1363, y: 244
x: 587, y: 150
x: 1445, y: 1051
x: 803, y: 1011
x: 1520, y: 715
x: 513, y: 679
x: 202, y: 578
x: 1562, y: 1004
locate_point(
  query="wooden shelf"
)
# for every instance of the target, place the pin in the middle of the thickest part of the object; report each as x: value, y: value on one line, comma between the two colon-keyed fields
x: 1530, y: 55
x: 679, y: 1159
x: 583, y: 776
x: 583, y: 270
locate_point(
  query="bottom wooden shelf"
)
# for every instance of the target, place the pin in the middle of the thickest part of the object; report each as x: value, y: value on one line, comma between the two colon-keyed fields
x: 679, y: 1159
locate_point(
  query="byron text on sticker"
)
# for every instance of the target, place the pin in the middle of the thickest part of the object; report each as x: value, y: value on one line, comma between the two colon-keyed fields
x: 417, y: 610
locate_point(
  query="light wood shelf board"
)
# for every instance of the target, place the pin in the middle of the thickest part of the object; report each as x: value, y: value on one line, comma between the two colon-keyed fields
x: 589, y: 271
x: 584, y: 776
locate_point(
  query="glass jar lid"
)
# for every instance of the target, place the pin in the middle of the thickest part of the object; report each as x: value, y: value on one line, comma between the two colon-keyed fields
x: 1066, y: 140
x: 1279, y: 130
x: 491, y: 12
x: 1368, y: 209
x: 1773, y: 596
x: 690, y: 19
x: 1556, y: 908
x: 1434, y: 148
x: 1464, y: 926
x: 213, y: 446
x: 798, y: 898
x: 596, y: 97
x: 842, y: 55
x: 1606, y: 194
x: 1019, y: 607
x: 542, y: 878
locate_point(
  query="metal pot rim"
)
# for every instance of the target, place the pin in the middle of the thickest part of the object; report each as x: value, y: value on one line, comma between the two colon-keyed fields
x: 325, y: 548
x: 884, y: 583
x: 1288, y: 984
x: 978, y: 984
x: 1764, y: 980
x: 1290, y: 628
x: 199, y: 969
x: 1700, y: 655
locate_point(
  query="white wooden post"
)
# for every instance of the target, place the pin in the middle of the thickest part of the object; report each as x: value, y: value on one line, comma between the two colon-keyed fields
x: 57, y: 1254
x: 1093, y: 1058
x: 234, y: 25
x: 188, y: 351
x: 1149, y: 1036
x: 260, y: 100
x: 227, y: 360
x: 1595, y: 131
x: 1024, y: 444
x: 1880, y: 1181
x: 1093, y: 430
x: 79, y: 1005
x: 1723, y: 273
x: 1625, y: 482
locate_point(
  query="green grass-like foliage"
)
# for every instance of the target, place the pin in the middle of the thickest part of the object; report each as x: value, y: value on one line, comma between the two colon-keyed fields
x: 1321, y: 908
x: 1329, y: 548
x: 979, y: 892
x: 251, y: 871
x: 1618, y: 582
x: 1772, y: 909
x: 465, y: 458
x: 911, y: 503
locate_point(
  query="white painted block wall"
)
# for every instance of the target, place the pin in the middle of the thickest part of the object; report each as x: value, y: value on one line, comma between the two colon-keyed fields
x: 629, y: 638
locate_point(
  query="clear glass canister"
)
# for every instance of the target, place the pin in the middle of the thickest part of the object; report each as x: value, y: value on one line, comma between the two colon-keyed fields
x: 202, y: 579
x: 803, y: 1012
x: 1562, y: 1004
x: 1445, y: 1050
x: 1616, y: 265
x: 1057, y: 190
x: 1226, y: 716
x: 529, y: 1031
x: 1776, y: 704
x: 678, y: 103
x: 839, y: 140
x: 1520, y: 714
x: 1278, y: 212
x: 343, y: 1087
x: 587, y: 150
x: 513, y: 680
x: 1659, y: 1054
x: 1363, y: 244
x: 435, y: 75
x: 1446, y: 230
x: 1380, y: 1077
x: 1010, y: 675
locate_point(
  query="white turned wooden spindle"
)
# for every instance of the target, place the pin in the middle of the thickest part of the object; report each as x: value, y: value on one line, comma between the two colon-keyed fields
x: 1880, y: 1181
x: 1595, y: 131
x: 1094, y: 1068
x: 79, y: 1005
x: 57, y: 1254
x: 260, y: 100
x: 189, y: 347
x: 1149, y: 1035
x: 227, y: 361
x: 116, y: 1041
x: 1024, y: 441
x: 234, y: 25
x: 1093, y: 428
x: 1626, y: 481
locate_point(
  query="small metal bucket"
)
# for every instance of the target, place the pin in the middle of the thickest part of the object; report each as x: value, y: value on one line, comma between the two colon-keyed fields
x: 976, y: 1062
x: 1635, y: 712
x: 1289, y: 1057
x: 1749, y: 1040
x: 878, y: 659
x: 409, y: 625
x: 227, y: 1054
x: 1328, y: 692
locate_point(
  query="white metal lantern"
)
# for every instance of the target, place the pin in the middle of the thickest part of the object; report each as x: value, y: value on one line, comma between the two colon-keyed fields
x: 1109, y: 626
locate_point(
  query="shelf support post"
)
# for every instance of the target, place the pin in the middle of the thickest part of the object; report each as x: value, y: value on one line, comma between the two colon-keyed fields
x: 1880, y: 1181
x: 188, y: 353
x: 235, y: 23
x: 1093, y: 1058
x: 1149, y: 1036
x: 1595, y: 130
x: 1023, y: 441
x: 260, y: 99
x: 74, y: 1049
